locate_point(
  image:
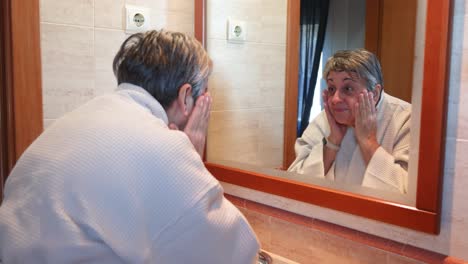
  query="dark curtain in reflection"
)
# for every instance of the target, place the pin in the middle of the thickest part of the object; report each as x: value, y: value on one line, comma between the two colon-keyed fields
x: 314, y: 15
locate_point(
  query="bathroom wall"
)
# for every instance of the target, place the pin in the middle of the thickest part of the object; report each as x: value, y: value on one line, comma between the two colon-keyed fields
x: 79, y: 39
x: 247, y: 83
x: 453, y: 238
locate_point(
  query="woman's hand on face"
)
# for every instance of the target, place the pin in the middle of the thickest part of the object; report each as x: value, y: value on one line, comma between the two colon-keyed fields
x: 365, y: 118
x: 337, y: 131
x: 197, y: 124
x: 366, y: 124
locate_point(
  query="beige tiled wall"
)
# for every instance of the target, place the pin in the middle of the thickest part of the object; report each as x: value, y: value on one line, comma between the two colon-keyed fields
x: 79, y: 39
x: 247, y: 82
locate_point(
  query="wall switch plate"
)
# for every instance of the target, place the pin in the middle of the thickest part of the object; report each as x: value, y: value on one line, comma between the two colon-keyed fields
x: 137, y: 19
x: 236, y: 31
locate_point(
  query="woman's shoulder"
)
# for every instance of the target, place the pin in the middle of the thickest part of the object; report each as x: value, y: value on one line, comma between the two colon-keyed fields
x: 317, y: 128
x: 396, y: 104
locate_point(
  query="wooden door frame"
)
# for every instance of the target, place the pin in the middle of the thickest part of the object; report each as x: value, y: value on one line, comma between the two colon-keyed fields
x: 20, y: 79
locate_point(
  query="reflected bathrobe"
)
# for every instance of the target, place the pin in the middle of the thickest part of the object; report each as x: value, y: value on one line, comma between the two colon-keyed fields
x: 388, y: 167
x: 111, y: 183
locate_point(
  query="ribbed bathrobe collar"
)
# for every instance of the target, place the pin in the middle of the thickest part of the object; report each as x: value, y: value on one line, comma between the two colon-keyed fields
x: 145, y: 99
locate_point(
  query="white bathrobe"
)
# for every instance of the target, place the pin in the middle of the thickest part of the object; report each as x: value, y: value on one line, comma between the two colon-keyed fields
x: 388, y: 167
x: 110, y: 183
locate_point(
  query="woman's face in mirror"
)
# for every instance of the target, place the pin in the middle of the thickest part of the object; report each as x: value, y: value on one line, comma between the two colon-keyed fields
x: 343, y: 90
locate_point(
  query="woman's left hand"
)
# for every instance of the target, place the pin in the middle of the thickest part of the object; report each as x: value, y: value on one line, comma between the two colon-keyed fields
x: 197, y: 124
x: 366, y: 125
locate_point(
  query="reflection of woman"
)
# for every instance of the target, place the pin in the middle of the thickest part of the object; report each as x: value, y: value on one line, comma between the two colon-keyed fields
x: 363, y: 135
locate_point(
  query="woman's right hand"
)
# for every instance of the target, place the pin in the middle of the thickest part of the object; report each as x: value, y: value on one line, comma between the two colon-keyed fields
x: 337, y: 131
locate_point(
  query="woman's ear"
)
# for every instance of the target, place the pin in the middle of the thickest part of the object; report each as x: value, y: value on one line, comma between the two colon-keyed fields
x: 376, y: 92
x: 185, y: 99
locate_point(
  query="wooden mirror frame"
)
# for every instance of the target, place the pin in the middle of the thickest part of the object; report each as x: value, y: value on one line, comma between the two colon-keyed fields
x: 20, y: 81
x: 425, y: 216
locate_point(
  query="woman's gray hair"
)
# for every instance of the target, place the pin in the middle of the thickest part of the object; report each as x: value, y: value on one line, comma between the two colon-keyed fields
x: 161, y: 62
x: 361, y: 62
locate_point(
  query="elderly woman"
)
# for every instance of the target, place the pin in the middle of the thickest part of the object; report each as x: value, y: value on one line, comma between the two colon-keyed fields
x: 121, y: 179
x: 363, y: 134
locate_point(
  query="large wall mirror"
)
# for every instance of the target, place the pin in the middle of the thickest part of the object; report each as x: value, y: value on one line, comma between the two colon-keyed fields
x: 255, y: 88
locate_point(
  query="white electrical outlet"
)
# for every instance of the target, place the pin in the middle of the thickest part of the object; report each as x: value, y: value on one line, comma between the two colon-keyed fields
x: 236, y: 31
x: 136, y: 19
